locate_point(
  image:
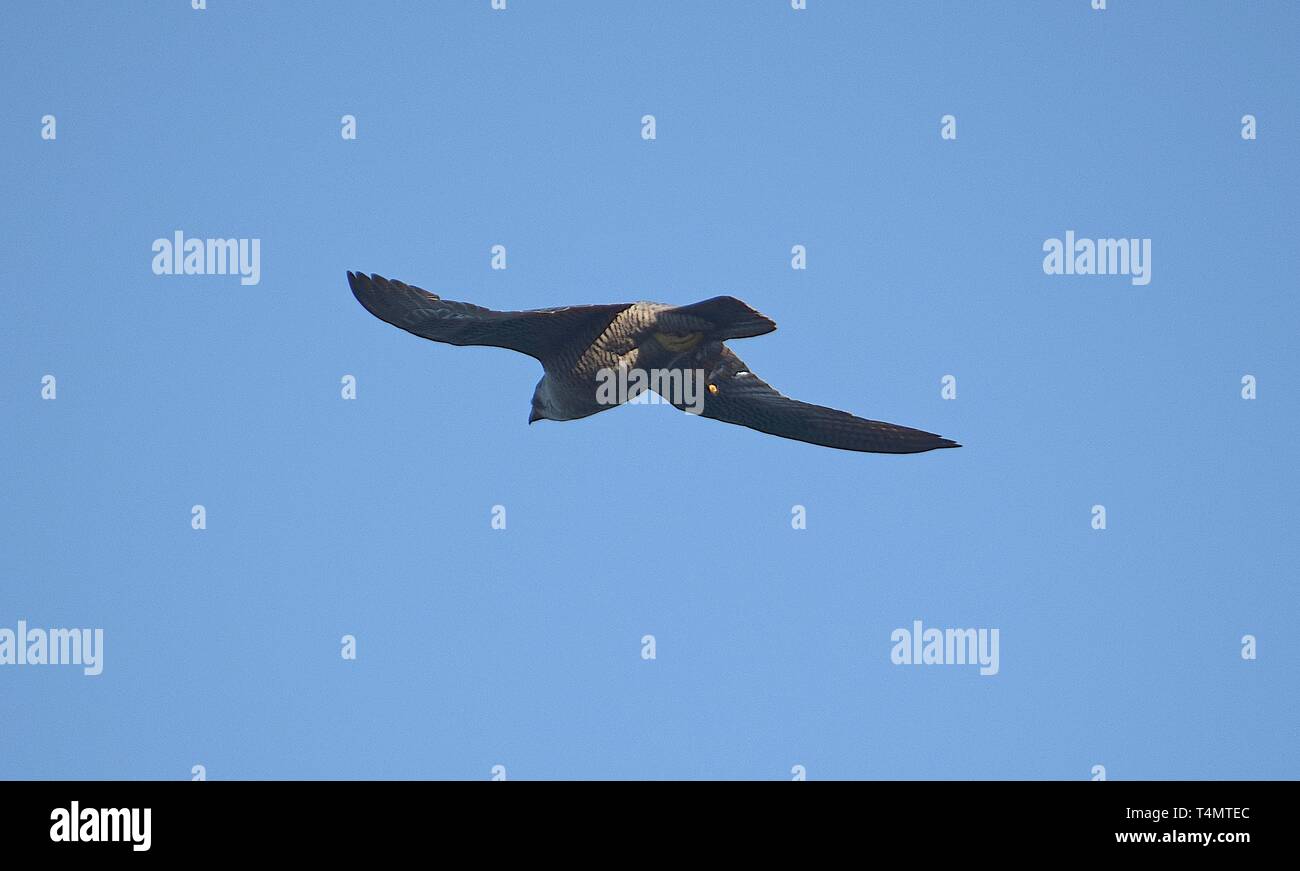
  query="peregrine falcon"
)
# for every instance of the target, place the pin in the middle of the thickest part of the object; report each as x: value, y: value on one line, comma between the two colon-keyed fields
x: 577, y: 344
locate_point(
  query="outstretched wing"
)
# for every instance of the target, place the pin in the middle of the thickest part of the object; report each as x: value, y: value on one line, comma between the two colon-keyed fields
x: 733, y: 394
x: 540, y: 333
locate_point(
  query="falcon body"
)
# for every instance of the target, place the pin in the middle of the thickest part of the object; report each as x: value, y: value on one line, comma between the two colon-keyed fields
x: 575, y: 344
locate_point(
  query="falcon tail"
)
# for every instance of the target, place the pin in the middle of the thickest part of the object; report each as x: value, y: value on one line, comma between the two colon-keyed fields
x: 731, y: 317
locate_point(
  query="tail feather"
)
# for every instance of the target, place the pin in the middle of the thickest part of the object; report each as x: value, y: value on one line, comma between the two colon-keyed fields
x: 732, y: 318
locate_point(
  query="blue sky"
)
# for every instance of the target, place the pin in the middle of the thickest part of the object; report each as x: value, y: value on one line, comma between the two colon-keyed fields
x: 522, y: 647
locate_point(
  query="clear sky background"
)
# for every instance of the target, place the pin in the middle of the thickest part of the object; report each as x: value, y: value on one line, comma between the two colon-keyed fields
x: 479, y: 647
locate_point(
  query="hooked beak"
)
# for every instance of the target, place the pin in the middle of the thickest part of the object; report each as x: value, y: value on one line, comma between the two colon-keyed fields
x: 534, y: 416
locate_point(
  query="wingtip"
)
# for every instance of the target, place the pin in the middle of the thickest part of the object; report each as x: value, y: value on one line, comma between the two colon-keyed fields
x: 361, y: 282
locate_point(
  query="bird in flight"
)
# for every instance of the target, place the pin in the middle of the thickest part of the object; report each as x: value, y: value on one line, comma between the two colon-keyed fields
x: 576, y: 344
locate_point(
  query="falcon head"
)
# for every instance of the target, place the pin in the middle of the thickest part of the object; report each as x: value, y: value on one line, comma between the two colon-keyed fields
x: 552, y: 402
x: 542, y: 409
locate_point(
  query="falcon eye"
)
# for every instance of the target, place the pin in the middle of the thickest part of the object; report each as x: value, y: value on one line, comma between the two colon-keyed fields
x: 713, y: 388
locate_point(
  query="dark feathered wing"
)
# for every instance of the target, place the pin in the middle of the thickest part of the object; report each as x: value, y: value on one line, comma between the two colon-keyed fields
x: 745, y: 399
x: 538, y: 333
